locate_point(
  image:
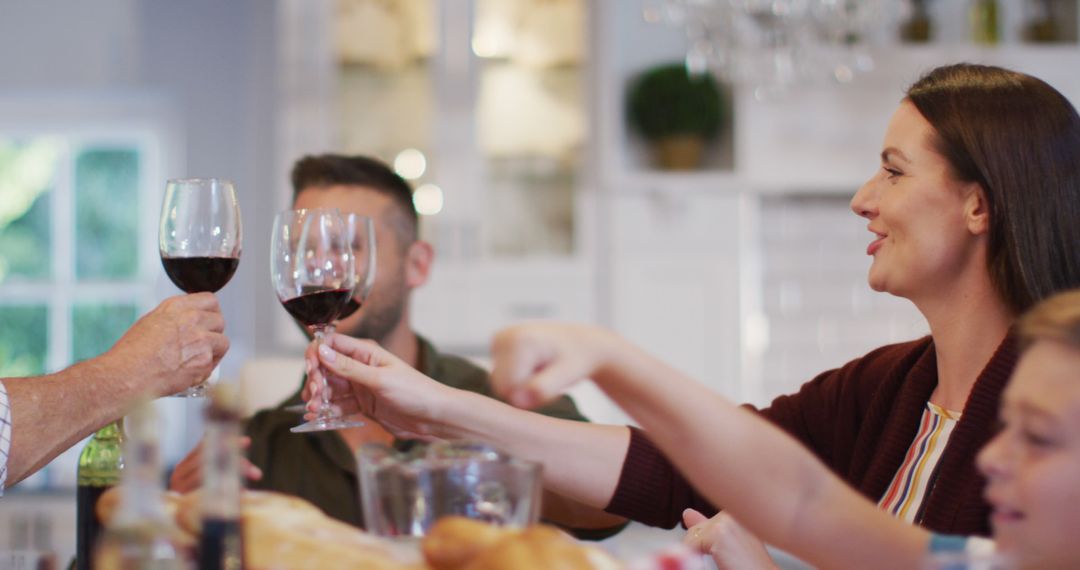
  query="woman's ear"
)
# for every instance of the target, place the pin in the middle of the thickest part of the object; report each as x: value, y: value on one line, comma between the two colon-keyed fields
x: 418, y: 261
x: 976, y: 210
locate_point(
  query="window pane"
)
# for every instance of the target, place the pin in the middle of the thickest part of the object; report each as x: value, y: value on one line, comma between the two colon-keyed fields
x: 23, y: 340
x: 96, y: 327
x: 27, y: 173
x: 106, y: 213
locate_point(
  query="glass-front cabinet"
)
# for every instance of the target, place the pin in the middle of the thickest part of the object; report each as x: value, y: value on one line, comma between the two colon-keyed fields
x: 481, y: 105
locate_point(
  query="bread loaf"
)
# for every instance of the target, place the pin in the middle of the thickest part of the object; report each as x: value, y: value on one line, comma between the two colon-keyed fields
x: 280, y: 532
x: 457, y: 543
x: 454, y: 541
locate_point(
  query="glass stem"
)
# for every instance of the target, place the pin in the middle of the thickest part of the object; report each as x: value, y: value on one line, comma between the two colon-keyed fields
x: 324, y: 387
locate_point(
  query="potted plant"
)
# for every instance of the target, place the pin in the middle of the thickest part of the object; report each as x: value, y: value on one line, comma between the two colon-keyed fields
x: 676, y: 112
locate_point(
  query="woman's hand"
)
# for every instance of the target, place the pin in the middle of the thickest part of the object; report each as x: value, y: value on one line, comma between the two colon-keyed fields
x: 722, y: 537
x: 536, y: 362
x: 365, y: 378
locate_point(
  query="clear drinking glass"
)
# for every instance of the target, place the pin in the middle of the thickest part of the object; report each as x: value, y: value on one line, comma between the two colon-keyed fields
x: 314, y: 275
x: 403, y: 494
x: 199, y: 239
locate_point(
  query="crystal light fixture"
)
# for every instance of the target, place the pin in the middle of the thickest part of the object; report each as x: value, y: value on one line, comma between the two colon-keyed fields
x: 774, y: 45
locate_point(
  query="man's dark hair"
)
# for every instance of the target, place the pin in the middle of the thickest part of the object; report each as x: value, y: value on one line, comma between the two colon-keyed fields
x: 325, y: 170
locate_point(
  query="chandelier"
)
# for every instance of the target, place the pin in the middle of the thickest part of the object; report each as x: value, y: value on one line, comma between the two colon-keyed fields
x: 775, y: 45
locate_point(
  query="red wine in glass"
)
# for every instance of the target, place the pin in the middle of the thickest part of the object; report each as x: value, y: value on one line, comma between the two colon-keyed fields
x: 351, y: 306
x: 200, y: 274
x: 319, y: 307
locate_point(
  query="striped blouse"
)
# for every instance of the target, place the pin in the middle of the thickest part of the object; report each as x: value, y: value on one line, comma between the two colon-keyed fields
x: 909, y: 486
x: 5, y: 436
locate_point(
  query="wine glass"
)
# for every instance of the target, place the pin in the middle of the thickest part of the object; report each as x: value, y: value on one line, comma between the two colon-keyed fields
x: 314, y: 274
x: 199, y: 240
x: 362, y: 230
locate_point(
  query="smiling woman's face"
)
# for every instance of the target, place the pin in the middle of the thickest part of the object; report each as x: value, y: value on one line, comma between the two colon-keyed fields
x: 1033, y: 465
x: 918, y: 212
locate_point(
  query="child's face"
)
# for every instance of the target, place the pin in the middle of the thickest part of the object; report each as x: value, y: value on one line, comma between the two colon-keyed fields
x: 1033, y: 465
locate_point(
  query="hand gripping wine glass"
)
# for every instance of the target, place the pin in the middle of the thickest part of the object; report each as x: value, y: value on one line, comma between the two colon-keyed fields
x: 362, y: 230
x: 314, y: 274
x: 199, y: 240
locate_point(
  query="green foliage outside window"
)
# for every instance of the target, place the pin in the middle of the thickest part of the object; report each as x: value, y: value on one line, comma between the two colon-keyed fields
x: 106, y: 213
x: 23, y: 340
x: 95, y: 328
x: 27, y: 172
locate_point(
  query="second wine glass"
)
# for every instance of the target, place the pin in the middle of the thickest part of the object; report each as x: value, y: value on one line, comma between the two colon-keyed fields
x: 314, y: 274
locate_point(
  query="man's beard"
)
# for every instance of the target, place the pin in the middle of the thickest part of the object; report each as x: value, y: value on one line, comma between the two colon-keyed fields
x: 380, y: 317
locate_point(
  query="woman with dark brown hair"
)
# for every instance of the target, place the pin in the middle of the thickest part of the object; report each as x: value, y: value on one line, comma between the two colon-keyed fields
x: 975, y: 216
x: 783, y: 492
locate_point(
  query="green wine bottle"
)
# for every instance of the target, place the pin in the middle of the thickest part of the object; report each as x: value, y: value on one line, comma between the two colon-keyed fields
x: 100, y: 464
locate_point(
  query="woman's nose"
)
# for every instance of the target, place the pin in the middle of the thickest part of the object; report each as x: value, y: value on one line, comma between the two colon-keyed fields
x: 864, y: 202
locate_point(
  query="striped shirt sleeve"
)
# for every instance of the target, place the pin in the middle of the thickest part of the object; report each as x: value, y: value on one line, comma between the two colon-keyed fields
x: 5, y: 436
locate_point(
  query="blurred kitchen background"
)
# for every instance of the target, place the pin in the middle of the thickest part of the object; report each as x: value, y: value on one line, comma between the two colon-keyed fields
x: 510, y: 119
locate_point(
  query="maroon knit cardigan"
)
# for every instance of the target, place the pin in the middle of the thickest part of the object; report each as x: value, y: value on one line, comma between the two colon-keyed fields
x: 859, y: 420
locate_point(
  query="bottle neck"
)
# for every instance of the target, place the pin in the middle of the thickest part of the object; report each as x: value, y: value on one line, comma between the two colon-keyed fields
x: 102, y: 460
x: 143, y: 489
x: 142, y: 496
x: 221, y: 455
x: 113, y: 431
x: 221, y: 470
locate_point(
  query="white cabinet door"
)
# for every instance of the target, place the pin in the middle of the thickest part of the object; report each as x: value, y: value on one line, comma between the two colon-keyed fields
x: 676, y: 279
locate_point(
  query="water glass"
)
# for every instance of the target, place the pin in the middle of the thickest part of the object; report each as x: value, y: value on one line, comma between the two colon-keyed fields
x: 402, y: 494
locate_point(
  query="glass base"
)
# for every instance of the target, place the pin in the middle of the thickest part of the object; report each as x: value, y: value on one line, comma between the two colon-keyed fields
x: 326, y: 424
x: 202, y: 389
x: 196, y: 391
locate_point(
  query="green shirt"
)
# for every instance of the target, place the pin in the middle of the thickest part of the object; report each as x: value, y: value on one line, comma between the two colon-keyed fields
x: 319, y: 466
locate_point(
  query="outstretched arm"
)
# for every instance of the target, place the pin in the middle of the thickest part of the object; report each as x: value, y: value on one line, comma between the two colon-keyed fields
x: 581, y: 461
x: 172, y: 347
x: 769, y: 482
